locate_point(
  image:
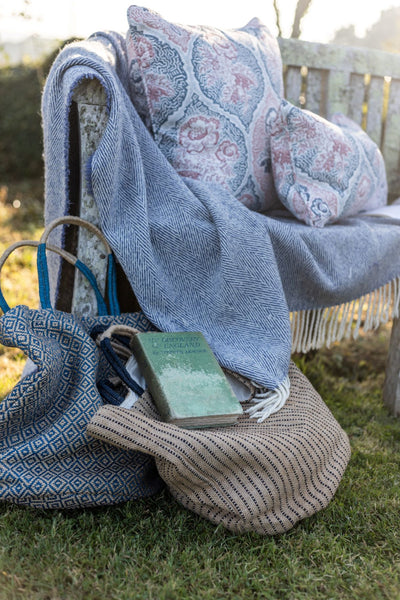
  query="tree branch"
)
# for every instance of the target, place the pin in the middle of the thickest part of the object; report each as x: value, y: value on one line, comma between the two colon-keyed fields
x: 301, y: 9
x: 278, y: 18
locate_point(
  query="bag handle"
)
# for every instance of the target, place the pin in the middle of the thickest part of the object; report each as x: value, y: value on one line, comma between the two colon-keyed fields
x: 107, y: 340
x: 131, y: 429
x: 101, y: 305
x: 44, y: 290
x: 110, y: 350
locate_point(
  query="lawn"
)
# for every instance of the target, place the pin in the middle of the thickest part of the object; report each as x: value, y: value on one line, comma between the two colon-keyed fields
x: 21, y: 217
x: 154, y: 549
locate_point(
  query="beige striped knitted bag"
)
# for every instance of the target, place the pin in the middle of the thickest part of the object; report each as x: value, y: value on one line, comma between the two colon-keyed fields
x: 251, y: 476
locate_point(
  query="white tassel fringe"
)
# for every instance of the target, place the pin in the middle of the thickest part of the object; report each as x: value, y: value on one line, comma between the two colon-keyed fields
x: 267, y: 402
x: 315, y: 328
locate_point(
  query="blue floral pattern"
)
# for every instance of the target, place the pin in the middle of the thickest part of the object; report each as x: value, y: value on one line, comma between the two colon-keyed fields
x: 324, y: 170
x: 204, y: 94
x: 220, y: 143
x: 229, y: 76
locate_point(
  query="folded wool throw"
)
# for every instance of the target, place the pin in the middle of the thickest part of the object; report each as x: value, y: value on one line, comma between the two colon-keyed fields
x: 196, y: 258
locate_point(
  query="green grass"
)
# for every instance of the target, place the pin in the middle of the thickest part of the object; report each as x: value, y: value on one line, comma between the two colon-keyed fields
x: 21, y: 217
x: 154, y: 549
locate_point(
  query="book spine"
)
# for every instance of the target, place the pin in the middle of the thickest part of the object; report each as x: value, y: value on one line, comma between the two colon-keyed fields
x: 152, y: 380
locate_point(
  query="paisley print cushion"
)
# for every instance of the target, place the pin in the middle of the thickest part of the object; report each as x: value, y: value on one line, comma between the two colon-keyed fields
x: 205, y: 95
x: 324, y: 170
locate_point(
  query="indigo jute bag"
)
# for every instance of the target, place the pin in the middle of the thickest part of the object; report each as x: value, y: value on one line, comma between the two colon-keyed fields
x: 46, y: 458
x: 252, y: 476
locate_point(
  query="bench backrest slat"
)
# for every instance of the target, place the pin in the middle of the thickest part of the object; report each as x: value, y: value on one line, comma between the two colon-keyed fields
x: 316, y: 81
x: 357, y: 98
x: 375, y: 109
x: 293, y: 84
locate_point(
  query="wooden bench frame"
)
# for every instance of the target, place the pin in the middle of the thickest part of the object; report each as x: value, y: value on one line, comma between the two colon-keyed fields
x: 324, y: 78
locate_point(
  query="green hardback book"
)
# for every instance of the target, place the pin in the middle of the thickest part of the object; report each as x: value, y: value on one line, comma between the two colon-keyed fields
x: 185, y: 380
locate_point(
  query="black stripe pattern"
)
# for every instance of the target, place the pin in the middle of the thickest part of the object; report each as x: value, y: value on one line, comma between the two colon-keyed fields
x: 262, y: 477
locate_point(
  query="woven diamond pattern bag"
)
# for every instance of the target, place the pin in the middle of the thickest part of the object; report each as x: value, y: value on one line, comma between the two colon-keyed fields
x: 46, y: 458
x: 252, y: 476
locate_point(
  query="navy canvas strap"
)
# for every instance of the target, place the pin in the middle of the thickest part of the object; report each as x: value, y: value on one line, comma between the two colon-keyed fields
x: 109, y: 394
x: 118, y: 366
x: 104, y: 337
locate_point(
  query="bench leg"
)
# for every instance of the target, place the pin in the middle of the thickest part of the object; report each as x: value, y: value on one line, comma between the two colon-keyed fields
x: 391, y: 390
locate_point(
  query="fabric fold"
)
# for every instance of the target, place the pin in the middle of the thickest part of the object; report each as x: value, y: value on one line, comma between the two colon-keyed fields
x: 196, y: 258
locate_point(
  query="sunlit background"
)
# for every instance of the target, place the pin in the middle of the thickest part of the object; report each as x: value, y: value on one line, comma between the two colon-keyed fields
x: 67, y: 18
x: 33, y: 31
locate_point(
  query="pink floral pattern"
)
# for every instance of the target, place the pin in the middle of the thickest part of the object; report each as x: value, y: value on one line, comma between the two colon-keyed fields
x: 324, y: 170
x: 144, y: 53
x: 204, y: 94
x: 158, y: 87
x: 199, y: 133
x: 208, y: 149
x: 227, y: 152
x: 178, y: 35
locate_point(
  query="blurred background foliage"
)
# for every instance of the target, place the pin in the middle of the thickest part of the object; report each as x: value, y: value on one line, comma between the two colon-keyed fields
x: 21, y: 88
x: 21, y: 144
x: 20, y: 123
x: 383, y: 35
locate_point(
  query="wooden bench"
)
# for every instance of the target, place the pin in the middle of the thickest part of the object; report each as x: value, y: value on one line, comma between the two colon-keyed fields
x: 324, y: 78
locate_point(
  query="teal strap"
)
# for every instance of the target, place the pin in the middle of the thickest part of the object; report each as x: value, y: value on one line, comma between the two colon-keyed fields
x: 101, y: 305
x: 44, y: 283
x: 43, y: 277
x: 112, y: 286
x: 3, y: 303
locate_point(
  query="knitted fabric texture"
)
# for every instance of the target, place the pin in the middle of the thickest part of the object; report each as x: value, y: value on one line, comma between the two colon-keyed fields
x: 46, y: 457
x: 262, y: 477
x: 196, y: 258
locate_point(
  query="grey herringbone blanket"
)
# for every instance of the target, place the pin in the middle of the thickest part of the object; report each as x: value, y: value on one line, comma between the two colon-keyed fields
x: 196, y: 258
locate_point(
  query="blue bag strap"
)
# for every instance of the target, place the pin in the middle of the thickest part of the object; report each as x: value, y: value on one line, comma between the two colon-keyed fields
x: 44, y: 284
x: 109, y: 393
x: 111, y: 291
x: 103, y: 340
x: 43, y: 273
x: 118, y: 366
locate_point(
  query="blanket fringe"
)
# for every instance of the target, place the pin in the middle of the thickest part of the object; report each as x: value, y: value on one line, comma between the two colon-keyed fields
x: 315, y: 328
x: 267, y: 402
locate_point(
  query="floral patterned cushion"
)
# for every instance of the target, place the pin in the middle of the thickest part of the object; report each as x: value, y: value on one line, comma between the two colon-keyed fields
x: 324, y: 170
x: 205, y: 95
